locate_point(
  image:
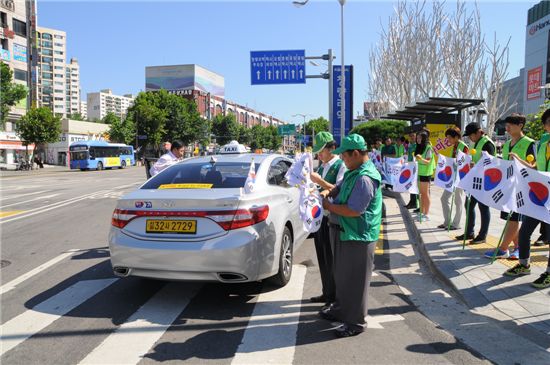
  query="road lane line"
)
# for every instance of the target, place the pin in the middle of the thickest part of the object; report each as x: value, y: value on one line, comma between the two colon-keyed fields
x: 30, y: 200
x: 32, y: 321
x: 143, y: 329
x: 272, y: 342
x: 11, y: 212
x: 22, y: 195
x: 12, y: 284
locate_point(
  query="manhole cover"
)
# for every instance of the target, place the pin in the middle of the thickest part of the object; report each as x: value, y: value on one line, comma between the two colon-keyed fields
x: 4, y: 263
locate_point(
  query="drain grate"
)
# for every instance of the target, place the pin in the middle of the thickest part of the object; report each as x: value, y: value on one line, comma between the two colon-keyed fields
x: 4, y: 263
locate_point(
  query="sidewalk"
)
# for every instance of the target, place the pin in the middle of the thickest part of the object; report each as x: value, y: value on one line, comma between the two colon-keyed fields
x: 478, y: 283
x: 48, y: 169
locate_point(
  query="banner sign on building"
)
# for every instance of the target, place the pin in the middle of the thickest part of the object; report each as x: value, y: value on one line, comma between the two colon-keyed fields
x: 4, y: 55
x: 19, y: 52
x: 336, y: 104
x: 277, y: 67
x: 534, y: 78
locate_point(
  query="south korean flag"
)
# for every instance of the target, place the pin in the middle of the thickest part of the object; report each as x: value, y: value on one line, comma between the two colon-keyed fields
x: 445, y: 173
x: 532, y: 193
x: 492, y: 181
x: 463, y: 161
x: 407, y: 179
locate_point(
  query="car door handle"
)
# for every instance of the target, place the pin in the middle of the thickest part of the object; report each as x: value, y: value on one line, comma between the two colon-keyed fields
x: 289, y: 200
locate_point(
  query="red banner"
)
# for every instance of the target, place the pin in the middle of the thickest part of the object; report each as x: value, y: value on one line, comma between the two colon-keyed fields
x: 534, y: 78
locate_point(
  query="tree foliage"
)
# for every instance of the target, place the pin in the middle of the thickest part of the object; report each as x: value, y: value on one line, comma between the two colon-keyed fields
x: 225, y: 128
x: 38, y: 126
x: 534, y: 127
x: 380, y: 129
x: 120, y: 131
x: 317, y: 125
x: 11, y: 93
x: 76, y: 116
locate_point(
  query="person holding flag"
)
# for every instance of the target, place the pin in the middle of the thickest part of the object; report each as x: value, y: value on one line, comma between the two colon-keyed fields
x: 330, y: 173
x: 413, y: 200
x: 541, y: 241
x: 355, y: 218
x: 400, y: 147
x: 480, y: 143
x: 518, y: 147
x: 453, y: 135
x: 426, y: 166
x: 529, y: 223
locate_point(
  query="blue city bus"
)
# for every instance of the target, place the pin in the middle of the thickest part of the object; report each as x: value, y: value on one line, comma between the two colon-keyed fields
x: 99, y: 155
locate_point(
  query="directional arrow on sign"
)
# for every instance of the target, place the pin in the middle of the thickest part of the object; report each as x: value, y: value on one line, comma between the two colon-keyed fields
x: 284, y: 74
x: 292, y: 73
x: 277, y: 74
x: 269, y: 75
x: 301, y: 73
x: 258, y: 73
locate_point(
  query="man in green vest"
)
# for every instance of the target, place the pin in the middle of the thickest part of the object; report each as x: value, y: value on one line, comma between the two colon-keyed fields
x: 480, y: 143
x: 330, y: 173
x: 355, y: 218
x: 529, y: 224
x: 518, y: 147
x: 541, y: 241
x: 400, y: 147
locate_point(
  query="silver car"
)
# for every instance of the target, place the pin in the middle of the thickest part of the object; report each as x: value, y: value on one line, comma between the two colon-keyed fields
x: 193, y: 221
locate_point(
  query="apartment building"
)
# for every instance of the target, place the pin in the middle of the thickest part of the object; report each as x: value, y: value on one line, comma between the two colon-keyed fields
x: 104, y: 101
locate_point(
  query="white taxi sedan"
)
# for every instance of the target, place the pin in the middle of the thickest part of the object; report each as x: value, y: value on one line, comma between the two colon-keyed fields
x: 193, y: 221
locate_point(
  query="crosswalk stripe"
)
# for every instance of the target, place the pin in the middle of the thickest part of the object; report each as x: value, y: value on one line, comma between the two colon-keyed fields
x: 135, y: 337
x: 18, y: 329
x: 274, y: 340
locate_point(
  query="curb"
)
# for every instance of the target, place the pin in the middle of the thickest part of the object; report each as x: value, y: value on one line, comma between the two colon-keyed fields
x: 418, y: 244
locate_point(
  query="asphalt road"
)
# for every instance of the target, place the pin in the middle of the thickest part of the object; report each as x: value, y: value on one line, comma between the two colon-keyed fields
x: 61, y: 303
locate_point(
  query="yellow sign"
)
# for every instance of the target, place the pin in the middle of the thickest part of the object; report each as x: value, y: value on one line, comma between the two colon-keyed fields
x: 112, y: 161
x: 438, y: 140
x: 185, y: 186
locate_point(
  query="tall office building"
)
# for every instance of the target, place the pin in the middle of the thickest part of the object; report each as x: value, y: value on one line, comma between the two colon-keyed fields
x: 84, y: 109
x: 72, y: 95
x: 51, y: 69
x: 103, y: 102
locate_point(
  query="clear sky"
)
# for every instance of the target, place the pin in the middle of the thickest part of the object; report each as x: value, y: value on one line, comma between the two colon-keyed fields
x: 114, y: 41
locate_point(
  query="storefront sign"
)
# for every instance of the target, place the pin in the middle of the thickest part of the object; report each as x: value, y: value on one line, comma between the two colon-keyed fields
x: 534, y: 79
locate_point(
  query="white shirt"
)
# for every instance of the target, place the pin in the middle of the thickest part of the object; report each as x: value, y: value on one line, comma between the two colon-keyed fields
x: 168, y: 159
x: 328, y: 165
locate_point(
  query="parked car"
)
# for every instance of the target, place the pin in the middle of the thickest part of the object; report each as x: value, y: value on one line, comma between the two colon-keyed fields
x: 194, y: 221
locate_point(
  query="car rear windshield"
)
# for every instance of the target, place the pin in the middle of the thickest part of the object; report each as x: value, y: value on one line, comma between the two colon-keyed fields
x: 215, y: 176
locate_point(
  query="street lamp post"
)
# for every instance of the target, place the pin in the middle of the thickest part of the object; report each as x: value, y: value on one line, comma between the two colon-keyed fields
x: 303, y: 124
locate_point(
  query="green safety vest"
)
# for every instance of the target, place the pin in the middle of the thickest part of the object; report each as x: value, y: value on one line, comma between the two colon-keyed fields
x: 366, y: 227
x: 332, y: 173
x: 410, y: 152
x: 478, y: 146
x: 400, y: 150
x: 461, y: 147
x: 520, y: 148
x: 427, y: 169
x: 544, y: 138
x: 543, y: 162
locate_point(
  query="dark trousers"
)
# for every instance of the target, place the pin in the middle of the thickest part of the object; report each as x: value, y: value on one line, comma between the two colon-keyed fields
x: 324, y: 250
x: 353, y: 265
x: 413, y: 199
x: 528, y: 226
x: 485, y: 218
x: 545, y: 232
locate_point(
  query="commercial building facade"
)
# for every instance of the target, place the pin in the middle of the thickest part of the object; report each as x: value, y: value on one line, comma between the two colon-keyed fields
x: 104, y: 101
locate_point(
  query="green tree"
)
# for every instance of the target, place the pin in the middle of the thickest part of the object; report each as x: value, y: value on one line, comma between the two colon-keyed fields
x: 38, y: 126
x: 225, y: 128
x: 261, y: 137
x: 275, y: 140
x: 110, y: 118
x: 120, y: 131
x: 148, y: 118
x: 534, y: 127
x: 11, y: 93
x: 316, y: 125
x: 75, y: 116
x: 380, y: 129
x: 245, y: 135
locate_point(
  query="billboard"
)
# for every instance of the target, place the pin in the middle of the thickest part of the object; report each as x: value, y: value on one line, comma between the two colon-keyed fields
x: 183, y: 77
x: 534, y: 81
x: 336, y: 104
x: 19, y: 52
x: 537, y: 53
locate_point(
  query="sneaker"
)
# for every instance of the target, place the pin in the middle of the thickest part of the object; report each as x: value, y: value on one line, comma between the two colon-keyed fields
x: 478, y: 240
x: 543, y: 281
x: 416, y: 210
x: 444, y: 226
x: 346, y: 331
x: 468, y: 237
x: 501, y: 254
x: 514, y: 255
x: 423, y: 217
x: 518, y: 270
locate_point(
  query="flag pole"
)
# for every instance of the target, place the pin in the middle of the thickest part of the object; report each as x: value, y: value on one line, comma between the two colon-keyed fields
x: 467, y: 221
x: 451, y: 211
x: 501, y: 237
x: 420, y: 205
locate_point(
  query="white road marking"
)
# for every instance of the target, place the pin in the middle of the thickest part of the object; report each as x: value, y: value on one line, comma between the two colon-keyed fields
x: 30, y: 200
x: 36, y: 319
x: 138, y: 334
x: 21, y: 195
x: 375, y: 321
x: 12, y: 284
x: 274, y: 342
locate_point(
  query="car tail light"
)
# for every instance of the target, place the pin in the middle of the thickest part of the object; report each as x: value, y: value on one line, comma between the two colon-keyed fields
x: 227, y: 219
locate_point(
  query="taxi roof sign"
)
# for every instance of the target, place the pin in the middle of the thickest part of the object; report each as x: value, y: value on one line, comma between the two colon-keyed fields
x: 233, y: 147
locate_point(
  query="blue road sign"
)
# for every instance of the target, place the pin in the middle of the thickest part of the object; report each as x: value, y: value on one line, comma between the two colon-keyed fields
x: 336, y: 104
x: 277, y: 67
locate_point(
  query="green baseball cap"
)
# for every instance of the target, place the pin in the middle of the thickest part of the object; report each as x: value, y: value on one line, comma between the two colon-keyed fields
x: 351, y: 142
x: 321, y: 140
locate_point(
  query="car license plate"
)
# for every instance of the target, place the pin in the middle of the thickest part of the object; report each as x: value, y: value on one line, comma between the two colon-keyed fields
x: 171, y: 226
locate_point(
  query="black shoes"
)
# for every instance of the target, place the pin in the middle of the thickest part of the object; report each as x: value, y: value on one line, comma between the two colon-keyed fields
x: 346, y: 331
x: 468, y: 237
x: 540, y: 242
x: 410, y: 205
x: 325, y: 314
x: 477, y: 241
x: 318, y: 299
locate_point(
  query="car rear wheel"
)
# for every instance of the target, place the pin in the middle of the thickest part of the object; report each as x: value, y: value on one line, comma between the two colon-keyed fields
x: 99, y: 166
x: 122, y: 164
x: 285, y: 260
